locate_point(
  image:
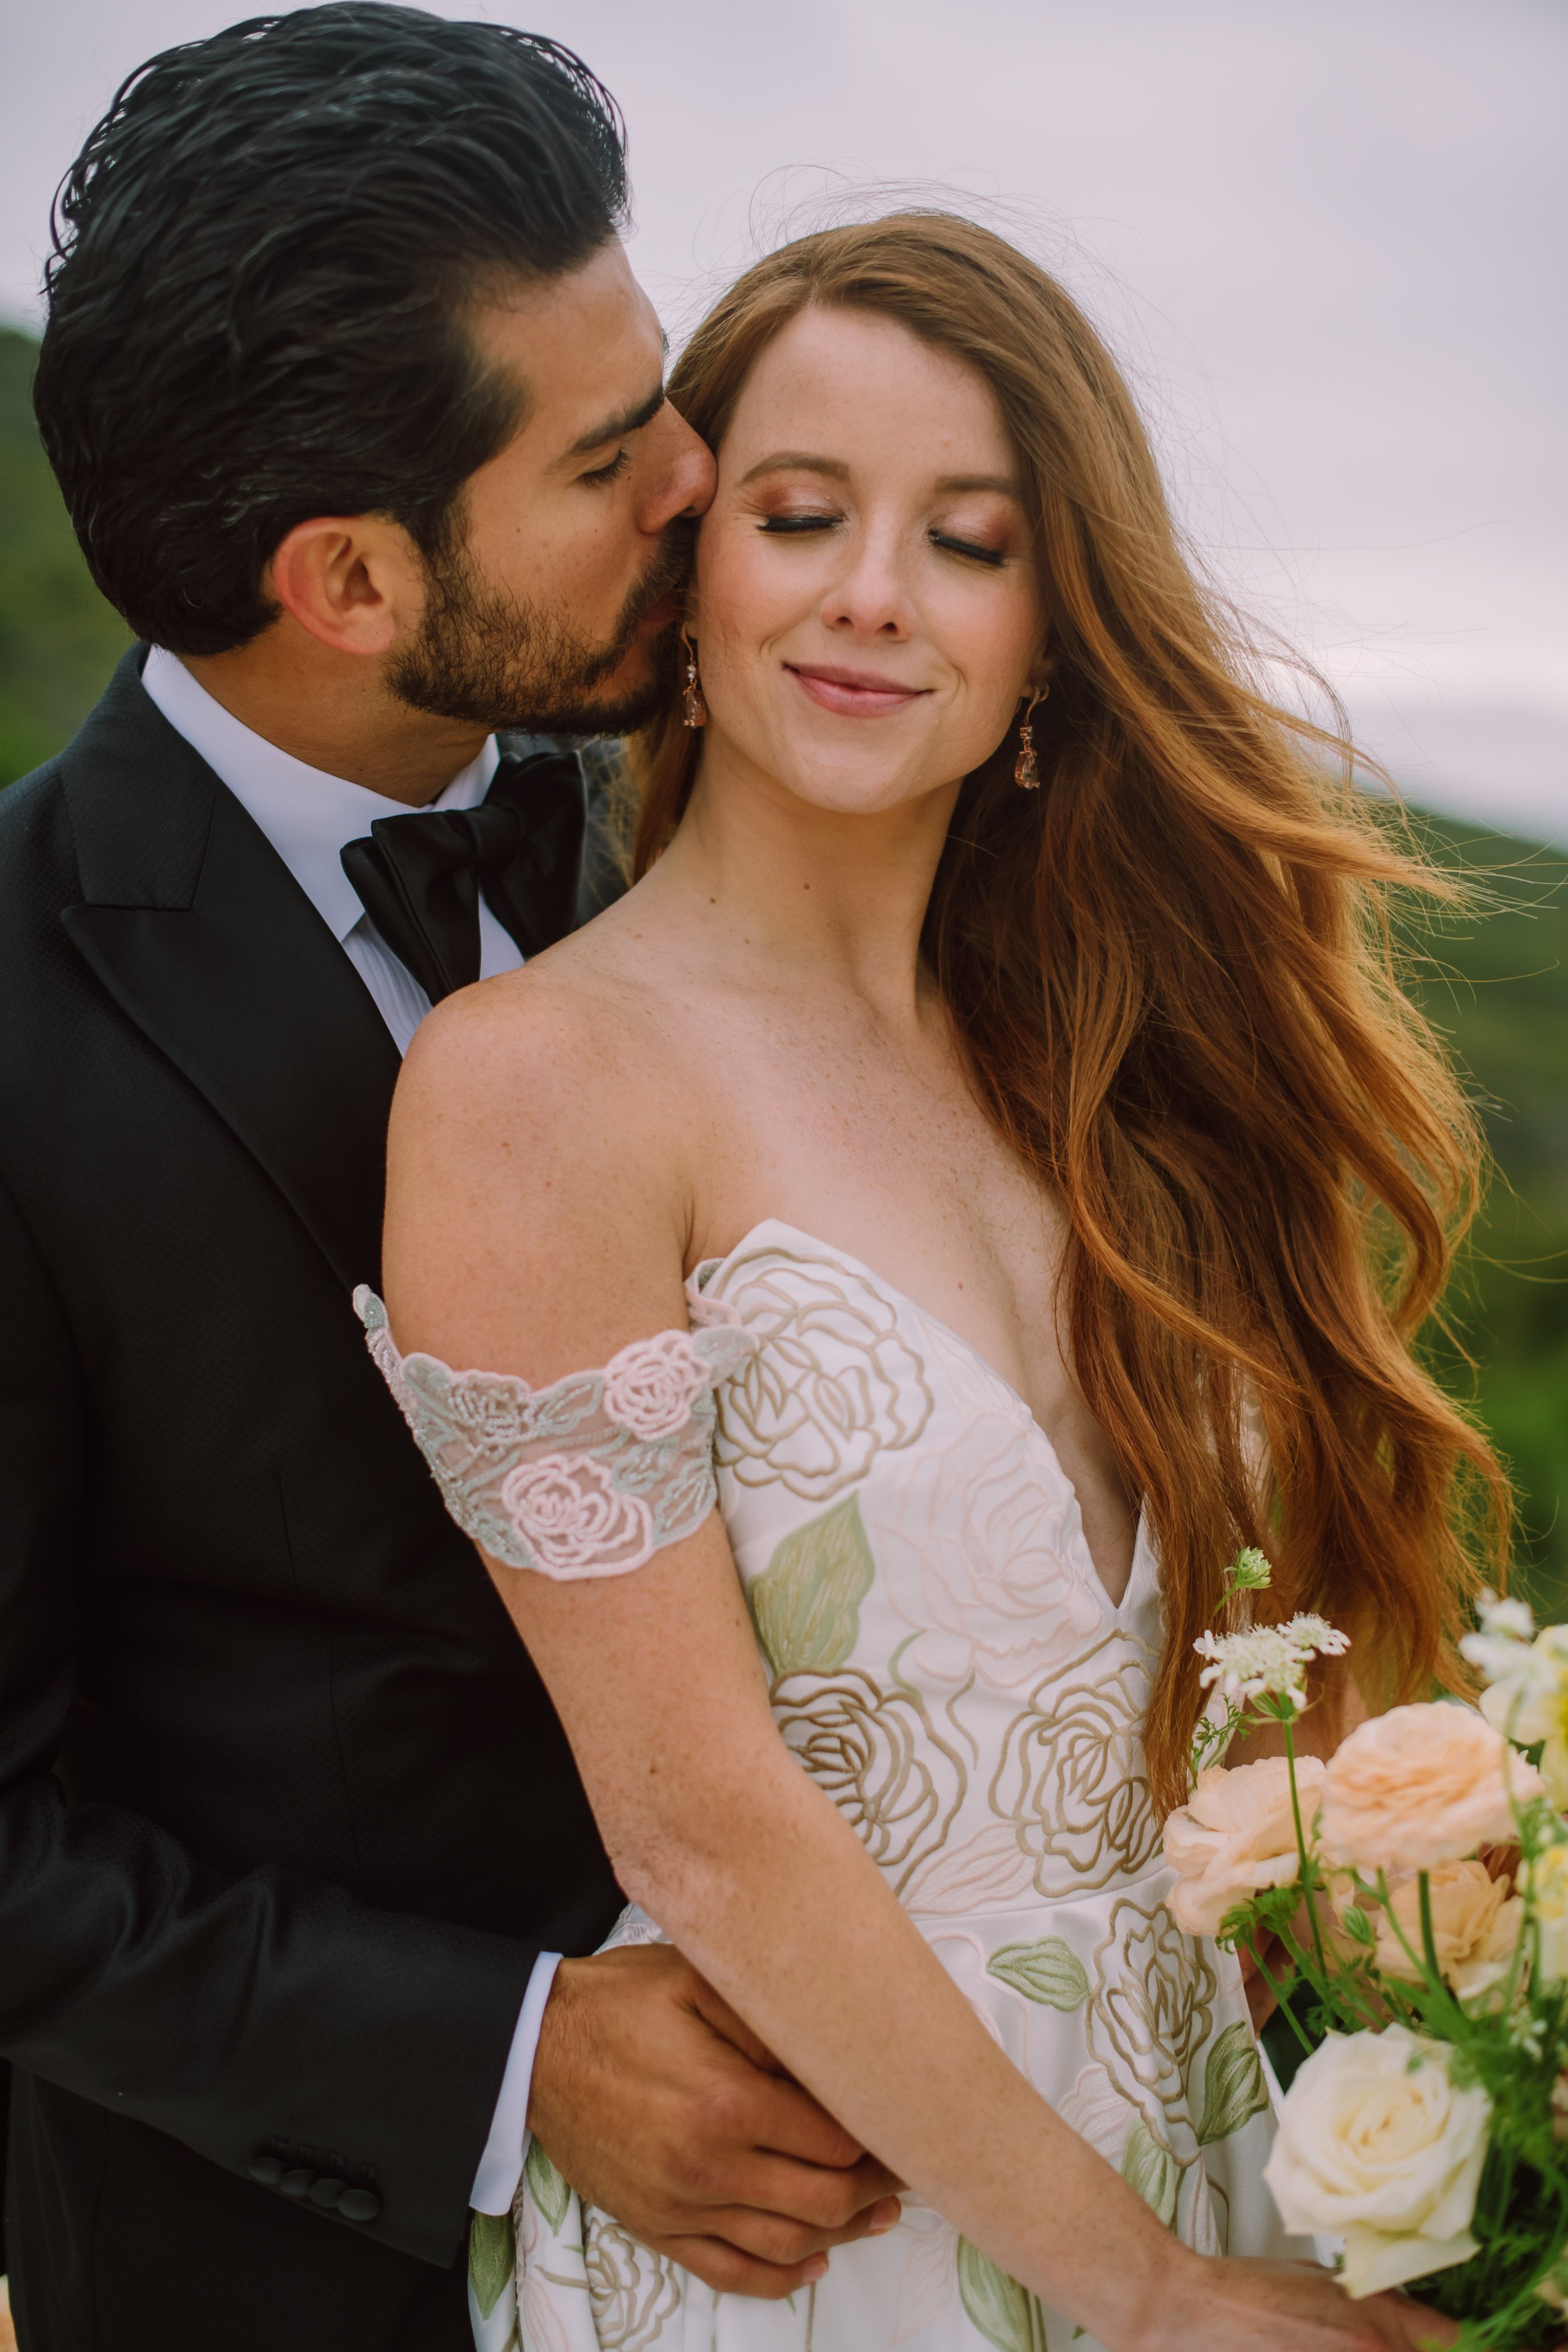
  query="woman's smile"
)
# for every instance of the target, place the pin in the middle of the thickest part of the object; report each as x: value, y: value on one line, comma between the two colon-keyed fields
x: 857, y: 693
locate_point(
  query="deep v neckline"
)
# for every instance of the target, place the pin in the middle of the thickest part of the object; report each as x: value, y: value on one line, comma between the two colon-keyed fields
x: 1141, y: 1576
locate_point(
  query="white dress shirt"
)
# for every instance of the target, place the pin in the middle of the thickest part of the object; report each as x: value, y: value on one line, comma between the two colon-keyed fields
x: 307, y: 816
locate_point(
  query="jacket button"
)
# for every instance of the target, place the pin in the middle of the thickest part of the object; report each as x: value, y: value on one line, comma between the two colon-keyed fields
x: 359, y: 2205
x: 267, y: 2169
x: 298, y: 2183
x: 326, y: 2192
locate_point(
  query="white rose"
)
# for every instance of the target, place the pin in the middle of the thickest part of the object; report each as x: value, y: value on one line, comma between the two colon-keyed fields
x: 1376, y: 2140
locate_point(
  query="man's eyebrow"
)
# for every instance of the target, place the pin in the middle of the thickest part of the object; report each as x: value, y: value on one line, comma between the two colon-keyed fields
x: 614, y: 428
x: 798, y: 461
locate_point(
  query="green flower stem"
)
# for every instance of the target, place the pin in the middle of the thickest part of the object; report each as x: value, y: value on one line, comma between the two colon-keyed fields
x: 1297, y: 2028
x: 1429, y: 1941
x: 1427, y: 1974
x: 1306, y: 1872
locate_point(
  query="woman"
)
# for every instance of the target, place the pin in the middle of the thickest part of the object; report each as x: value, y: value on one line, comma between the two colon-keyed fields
x: 985, y: 1131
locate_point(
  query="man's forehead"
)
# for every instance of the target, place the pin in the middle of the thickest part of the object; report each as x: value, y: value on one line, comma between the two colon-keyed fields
x: 587, y: 346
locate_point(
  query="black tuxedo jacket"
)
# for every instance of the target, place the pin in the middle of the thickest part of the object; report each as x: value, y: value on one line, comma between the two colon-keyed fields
x: 285, y: 1812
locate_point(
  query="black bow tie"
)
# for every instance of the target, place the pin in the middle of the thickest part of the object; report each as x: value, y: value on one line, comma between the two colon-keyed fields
x: 420, y: 877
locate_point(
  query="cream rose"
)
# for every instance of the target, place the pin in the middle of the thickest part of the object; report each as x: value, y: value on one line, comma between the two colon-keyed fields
x: 1475, y: 1926
x: 1419, y: 1786
x: 1236, y: 1834
x: 1375, y: 2139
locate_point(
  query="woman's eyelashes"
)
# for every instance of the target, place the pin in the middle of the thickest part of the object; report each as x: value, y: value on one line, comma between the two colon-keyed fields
x: 795, y: 526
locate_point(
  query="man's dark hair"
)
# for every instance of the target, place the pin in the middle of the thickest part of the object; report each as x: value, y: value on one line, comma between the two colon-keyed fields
x: 264, y: 259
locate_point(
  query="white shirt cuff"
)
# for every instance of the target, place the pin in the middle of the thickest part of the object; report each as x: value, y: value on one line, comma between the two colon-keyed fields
x: 506, y: 2151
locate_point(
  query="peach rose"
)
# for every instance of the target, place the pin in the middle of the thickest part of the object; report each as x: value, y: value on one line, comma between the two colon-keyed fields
x: 1475, y: 1926
x: 1419, y: 1786
x: 1236, y: 1834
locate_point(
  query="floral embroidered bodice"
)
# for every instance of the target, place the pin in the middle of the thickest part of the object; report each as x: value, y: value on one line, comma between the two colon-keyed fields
x: 946, y: 1664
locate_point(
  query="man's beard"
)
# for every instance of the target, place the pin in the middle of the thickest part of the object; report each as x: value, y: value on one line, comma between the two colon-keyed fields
x: 484, y: 656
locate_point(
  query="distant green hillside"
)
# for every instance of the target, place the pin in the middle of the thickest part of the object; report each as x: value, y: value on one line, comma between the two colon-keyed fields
x: 1496, y: 983
x: 58, y: 639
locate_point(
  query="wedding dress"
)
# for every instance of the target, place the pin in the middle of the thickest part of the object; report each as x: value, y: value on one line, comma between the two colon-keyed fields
x: 947, y: 1665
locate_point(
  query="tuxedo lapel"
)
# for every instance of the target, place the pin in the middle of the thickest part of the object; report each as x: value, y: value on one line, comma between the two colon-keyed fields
x: 202, y: 936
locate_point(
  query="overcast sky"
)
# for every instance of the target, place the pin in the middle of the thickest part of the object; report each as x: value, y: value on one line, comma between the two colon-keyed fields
x: 1326, y: 236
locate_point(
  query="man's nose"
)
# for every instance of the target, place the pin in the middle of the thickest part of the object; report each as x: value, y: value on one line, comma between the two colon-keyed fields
x: 685, y: 476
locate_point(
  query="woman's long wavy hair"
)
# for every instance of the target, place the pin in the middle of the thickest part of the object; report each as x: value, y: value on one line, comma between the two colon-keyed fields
x: 1174, y: 974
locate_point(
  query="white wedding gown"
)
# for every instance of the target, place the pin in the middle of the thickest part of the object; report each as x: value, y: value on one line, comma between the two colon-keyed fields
x: 947, y: 1665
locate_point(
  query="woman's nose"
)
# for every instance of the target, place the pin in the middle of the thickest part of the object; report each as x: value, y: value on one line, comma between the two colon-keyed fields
x: 870, y: 598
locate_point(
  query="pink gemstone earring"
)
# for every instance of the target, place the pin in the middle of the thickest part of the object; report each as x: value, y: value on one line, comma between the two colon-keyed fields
x: 694, y: 710
x: 1027, y: 767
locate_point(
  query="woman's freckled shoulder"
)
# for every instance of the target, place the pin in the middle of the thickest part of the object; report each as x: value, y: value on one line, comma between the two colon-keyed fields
x: 550, y: 1041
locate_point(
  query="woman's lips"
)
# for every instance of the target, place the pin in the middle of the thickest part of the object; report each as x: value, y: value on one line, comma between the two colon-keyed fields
x: 856, y: 694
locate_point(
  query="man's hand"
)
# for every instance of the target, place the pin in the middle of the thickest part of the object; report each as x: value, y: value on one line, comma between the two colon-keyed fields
x: 661, y: 2107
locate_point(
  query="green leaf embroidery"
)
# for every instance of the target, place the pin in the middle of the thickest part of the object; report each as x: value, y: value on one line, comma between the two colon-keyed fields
x: 1006, y: 2314
x: 550, y: 2192
x: 805, y: 1603
x: 1233, y: 2090
x: 493, y: 2257
x: 1048, y: 1971
x: 1149, y: 2167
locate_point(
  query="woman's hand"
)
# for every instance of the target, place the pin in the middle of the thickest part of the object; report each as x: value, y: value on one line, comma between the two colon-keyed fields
x: 1229, y: 2303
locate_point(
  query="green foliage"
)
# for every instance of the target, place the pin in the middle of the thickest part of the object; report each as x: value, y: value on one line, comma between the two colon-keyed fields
x: 1496, y: 982
x: 58, y: 639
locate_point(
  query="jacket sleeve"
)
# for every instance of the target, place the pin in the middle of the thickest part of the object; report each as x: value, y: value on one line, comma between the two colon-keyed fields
x: 278, y: 2026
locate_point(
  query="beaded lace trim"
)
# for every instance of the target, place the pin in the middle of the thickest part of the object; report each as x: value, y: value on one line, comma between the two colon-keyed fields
x: 589, y: 1476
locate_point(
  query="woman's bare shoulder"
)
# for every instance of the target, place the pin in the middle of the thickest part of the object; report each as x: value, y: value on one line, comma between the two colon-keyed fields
x: 539, y: 1188
x: 571, y: 1031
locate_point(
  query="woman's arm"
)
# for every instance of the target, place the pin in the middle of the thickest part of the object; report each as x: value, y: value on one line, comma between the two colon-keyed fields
x: 537, y: 1222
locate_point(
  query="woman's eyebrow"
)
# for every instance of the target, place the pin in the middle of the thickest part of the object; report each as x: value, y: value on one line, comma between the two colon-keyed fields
x: 1001, y: 483
x: 798, y: 461
x: 802, y: 461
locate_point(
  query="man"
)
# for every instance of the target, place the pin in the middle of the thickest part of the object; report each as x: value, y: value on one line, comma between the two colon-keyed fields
x: 358, y: 416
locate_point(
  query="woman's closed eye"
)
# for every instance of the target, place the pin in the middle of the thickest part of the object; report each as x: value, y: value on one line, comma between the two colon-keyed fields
x: 798, y: 525
x: 994, y: 556
x: 793, y: 523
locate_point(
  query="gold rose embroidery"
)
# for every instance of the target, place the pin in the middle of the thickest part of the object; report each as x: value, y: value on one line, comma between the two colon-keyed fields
x: 632, y: 2291
x: 878, y: 1754
x: 1071, y: 1777
x: 1150, y: 2010
x: 832, y: 1383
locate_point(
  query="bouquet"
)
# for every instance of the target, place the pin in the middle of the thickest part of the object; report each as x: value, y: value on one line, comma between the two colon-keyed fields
x: 1419, y: 1882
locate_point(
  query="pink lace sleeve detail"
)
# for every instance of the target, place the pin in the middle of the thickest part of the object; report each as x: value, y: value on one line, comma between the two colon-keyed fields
x: 589, y: 1476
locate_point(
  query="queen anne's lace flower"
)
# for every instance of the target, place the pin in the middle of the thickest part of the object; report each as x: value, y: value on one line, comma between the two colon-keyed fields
x: 1267, y: 1661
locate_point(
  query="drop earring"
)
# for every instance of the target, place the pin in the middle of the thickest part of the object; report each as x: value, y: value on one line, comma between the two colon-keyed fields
x: 694, y: 710
x: 1027, y: 767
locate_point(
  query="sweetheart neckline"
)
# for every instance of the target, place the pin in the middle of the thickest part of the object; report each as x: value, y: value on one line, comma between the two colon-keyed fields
x: 1134, y: 1591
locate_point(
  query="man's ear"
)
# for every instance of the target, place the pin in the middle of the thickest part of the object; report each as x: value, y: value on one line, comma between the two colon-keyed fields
x: 354, y: 582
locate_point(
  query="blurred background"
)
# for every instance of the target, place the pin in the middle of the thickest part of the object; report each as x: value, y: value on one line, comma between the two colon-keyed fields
x: 1325, y: 238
